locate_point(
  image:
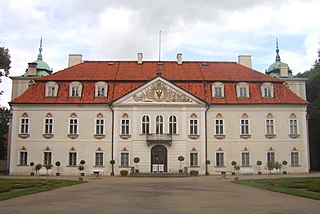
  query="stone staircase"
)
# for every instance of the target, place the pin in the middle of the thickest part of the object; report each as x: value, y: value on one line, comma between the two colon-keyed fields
x: 159, y: 175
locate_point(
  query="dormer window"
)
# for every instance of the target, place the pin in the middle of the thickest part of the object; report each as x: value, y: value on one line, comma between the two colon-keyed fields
x: 101, y: 89
x: 52, y: 89
x: 217, y: 90
x: 243, y: 90
x: 75, y: 89
x: 267, y: 90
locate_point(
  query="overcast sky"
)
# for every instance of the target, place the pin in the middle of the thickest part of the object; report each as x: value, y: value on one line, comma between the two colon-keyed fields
x: 212, y: 30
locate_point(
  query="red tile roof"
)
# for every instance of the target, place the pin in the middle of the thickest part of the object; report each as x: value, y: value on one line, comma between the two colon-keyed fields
x: 124, y: 76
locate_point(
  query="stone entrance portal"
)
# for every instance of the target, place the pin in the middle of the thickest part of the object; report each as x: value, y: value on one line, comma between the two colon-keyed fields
x: 158, y: 159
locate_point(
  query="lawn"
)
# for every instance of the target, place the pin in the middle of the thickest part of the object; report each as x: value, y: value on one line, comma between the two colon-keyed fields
x: 10, y: 188
x: 303, y: 187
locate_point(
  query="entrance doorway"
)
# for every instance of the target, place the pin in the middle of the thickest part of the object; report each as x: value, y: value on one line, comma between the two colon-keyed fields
x: 159, y: 159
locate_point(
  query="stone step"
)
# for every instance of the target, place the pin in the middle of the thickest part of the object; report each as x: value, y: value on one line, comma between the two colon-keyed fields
x: 159, y: 175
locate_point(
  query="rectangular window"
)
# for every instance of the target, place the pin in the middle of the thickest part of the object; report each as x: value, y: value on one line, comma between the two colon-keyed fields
x: 243, y: 92
x: 270, y: 127
x: 125, y: 159
x: 99, y: 126
x: 271, y: 157
x: 73, y: 126
x: 293, y: 126
x: 101, y: 91
x: 294, y: 159
x: 193, y: 127
x: 23, y: 158
x: 47, y: 157
x: 267, y: 92
x: 51, y: 91
x: 218, y: 92
x: 72, y: 158
x: 245, y: 158
x: 75, y: 91
x: 219, y: 127
x: 99, y: 159
x: 48, y: 126
x: 219, y: 159
x: 125, y: 127
x: 193, y: 159
x: 244, y: 127
x: 24, y: 126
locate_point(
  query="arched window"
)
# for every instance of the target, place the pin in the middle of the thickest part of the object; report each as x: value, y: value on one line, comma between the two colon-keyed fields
x: 145, y: 122
x: 75, y: 89
x: 243, y: 90
x: 101, y: 89
x: 52, y: 89
x: 159, y: 124
x: 172, y: 124
x: 217, y: 90
x: 267, y: 90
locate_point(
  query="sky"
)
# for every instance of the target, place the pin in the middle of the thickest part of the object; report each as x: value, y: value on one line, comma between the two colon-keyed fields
x: 204, y: 30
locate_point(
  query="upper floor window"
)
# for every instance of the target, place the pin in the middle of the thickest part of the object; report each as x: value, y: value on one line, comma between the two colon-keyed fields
x: 244, y: 127
x: 52, y: 89
x: 267, y: 90
x: 73, y: 126
x: 243, y: 90
x: 75, y: 89
x: 125, y: 126
x: 24, y: 126
x: 217, y: 90
x: 193, y: 126
x: 101, y: 89
x: 145, y: 124
x: 293, y: 126
x: 159, y: 124
x: 219, y: 127
x: 99, y: 126
x: 172, y: 124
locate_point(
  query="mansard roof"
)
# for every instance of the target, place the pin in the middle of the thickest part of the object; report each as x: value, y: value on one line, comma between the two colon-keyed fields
x: 123, y: 77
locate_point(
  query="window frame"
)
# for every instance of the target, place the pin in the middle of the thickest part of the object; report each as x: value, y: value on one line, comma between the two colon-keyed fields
x: 270, y: 128
x: 194, y: 127
x: 101, y: 89
x: 72, y: 158
x: 294, y: 158
x: 194, y: 159
x: 47, y: 157
x: 124, y: 159
x: 245, y: 159
x: 125, y: 127
x: 145, y: 124
x: 244, y: 128
x: 271, y: 155
x: 99, y: 127
x: 75, y: 89
x: 172, y: 124
x: 73, y: 127
x: 219, y: 128
x: 99, y: 161
x: 24, y: 125
x: 217, y: 90
x: 159, y: 124
x: 23, y: 158
x: 267, y: 90
x: 243, y: 90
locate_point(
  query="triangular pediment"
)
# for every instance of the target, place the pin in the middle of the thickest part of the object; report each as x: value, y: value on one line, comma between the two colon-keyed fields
x: 159, y: 91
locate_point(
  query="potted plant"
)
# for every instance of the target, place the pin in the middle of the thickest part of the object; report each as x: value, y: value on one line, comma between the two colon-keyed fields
x: 48, y: 167
x: 259, y: 163
x: 112, y: 162
x: 233, y: 163
x: 207, y: 163
x: 57, y: 165
x: 32, y: 168
x: 136, y: 160
x: 180, y: 158
x: 123, y: 172
x: 237, y: 168
x: 284, y: 163
x: 81, y: 167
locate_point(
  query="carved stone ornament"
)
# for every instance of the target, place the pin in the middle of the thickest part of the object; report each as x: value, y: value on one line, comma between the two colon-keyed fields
x: 160, y: 92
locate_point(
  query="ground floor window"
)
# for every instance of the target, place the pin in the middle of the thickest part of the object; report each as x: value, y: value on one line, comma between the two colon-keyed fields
x: 219, y: 159
x: 270, y: 157
x: 47, y: 158
x: 294, y: 159
x: 125, y: 159
x: 99, y: 159
x: 193, y: 159
x: 23, y: 158
x: 245, y: 157
x: 72, y: 158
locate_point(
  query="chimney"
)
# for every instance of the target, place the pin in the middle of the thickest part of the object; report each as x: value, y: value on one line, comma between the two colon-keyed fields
x: 74, y: 59
x: 140, y: 57
x: 179, y: 58
x: 32, y: 69
x: 245, y: 60
x: 284, y: 70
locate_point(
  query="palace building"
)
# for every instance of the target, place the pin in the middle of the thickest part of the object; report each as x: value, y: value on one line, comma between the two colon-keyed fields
x: 211, y: 113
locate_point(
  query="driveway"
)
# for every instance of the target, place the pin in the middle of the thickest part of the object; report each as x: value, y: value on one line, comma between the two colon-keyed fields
x: 203, y: 194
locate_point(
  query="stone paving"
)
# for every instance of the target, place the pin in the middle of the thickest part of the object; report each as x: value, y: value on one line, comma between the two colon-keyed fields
x: 203, y: 194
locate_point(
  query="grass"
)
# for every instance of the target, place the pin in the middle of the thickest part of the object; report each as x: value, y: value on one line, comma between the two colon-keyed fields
x: 303, y: 187
x: 10, y: 188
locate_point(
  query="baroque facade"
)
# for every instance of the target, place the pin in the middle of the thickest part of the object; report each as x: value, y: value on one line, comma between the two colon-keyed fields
x: 211, y: 113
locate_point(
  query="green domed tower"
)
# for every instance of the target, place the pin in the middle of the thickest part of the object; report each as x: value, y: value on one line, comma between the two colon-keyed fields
x: 279, y: 69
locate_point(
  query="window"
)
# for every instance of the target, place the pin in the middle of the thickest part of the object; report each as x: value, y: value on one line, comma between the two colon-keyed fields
x: 99, y: 126
x: 145, y: 124
x: 270, y: 157
x: 23, y: 158
x: 47, y: 158
x: 75, y: 89
x: 24, y: 126
x: 51, y: 89
x: 267, y: 90
x: 219, y: 159
x: 244, y: 127
x: 193, y: 159
x: 294, y: 159
x: 193, y: 127
x: 172, y: 124
x: 293, y: 123
x: 242, y: 90
x: 72, y: 158
x: 99, y: 159
x: 245, y: 158
x: 101, y: 89
x: 270, y: 127
x: 159, y: 124
x: 125, y: 159
x: 48, y: 126
x: 73, y: 126
x: 125, y: 127
x: 219, y: 127
x: 217, y: 90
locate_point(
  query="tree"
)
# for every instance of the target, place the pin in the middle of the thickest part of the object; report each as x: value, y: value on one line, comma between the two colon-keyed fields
x: 3, y: 129
x: 4, y: 63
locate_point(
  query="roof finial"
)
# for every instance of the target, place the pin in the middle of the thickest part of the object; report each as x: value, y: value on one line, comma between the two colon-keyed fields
x: 40, y: 50
x: 277, y: 50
